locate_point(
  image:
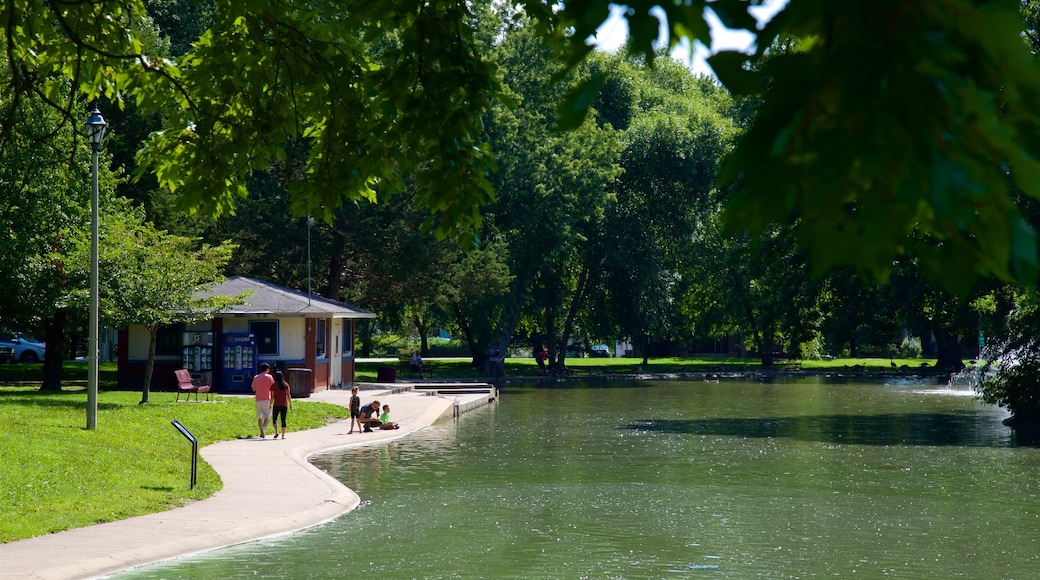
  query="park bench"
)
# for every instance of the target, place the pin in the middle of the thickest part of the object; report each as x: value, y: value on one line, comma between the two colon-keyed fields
x: 188, y: 385
x: 404, y: 363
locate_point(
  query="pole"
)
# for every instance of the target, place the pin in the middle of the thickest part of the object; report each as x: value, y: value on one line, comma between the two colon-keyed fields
x: 310, y: 221
x: 92, y: 346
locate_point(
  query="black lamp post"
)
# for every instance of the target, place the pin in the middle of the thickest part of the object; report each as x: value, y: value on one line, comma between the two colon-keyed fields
x: 96, y: 126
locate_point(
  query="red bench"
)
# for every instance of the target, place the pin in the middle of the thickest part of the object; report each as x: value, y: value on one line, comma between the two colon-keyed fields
x: 188, y: 385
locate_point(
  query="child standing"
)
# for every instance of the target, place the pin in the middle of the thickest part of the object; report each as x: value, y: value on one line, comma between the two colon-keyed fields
x: 355, y: 410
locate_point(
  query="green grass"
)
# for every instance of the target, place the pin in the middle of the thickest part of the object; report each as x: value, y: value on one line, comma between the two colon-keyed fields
x: 459, y: 368
x: 57, y: 475
x: 72, y: 371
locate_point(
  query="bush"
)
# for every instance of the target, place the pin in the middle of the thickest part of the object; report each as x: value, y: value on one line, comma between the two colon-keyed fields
x: 1014, y: 387
x: 385, y: 345
x: 448, y: 347
x: 1013, y: 362
x: 909, y: 348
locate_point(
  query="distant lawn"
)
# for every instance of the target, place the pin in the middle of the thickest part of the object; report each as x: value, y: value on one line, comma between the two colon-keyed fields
x: 459, y: 368
x: 72, y: 371
x: 58, y: 476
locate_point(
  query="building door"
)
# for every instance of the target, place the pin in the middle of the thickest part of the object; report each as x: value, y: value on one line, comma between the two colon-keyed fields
x: 336, y: 354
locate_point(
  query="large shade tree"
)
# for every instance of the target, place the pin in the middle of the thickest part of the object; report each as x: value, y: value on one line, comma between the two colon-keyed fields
x: 45, y: 216
x: 864, y: 141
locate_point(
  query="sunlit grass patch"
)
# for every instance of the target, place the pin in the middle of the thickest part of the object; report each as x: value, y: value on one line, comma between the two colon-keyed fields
x: 58, y: 475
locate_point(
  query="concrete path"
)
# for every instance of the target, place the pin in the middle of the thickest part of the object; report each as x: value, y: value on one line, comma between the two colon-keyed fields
x: 269, y: 489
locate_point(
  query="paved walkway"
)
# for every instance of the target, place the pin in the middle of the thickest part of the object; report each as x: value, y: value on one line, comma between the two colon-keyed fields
x: 269, y: 489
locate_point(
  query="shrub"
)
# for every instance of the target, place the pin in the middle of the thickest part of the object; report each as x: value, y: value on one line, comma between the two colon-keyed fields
x: 1014, y: 387
x: 909, y: 348
x: 1013, y: 362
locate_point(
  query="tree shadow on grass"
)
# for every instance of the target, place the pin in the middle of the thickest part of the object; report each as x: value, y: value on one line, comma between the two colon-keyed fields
x: 52, y: 400
x: 960, y: 429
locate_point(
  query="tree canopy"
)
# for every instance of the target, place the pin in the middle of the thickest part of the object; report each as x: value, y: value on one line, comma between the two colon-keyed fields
x: 891, y: 128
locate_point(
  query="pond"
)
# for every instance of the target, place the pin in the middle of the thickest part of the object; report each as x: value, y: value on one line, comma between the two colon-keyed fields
x: 678, y: 479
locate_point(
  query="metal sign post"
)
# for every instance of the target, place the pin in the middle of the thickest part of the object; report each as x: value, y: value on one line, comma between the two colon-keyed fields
x: 194, y: 450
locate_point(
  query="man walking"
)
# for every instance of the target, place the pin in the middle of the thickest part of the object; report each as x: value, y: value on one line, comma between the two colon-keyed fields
x: 262, y: 384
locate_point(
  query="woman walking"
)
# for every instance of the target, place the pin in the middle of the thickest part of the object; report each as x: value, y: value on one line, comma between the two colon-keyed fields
x: 282, y: 399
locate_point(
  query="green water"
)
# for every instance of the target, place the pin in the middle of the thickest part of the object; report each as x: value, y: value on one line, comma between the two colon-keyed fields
x: 796, y: 479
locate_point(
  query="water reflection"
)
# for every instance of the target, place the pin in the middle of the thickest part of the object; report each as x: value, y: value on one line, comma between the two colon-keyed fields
x: 963, y: 429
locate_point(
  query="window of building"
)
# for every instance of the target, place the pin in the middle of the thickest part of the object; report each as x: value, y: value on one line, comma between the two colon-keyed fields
x: 348, y: 337
x: 321, y: 338
x: 266, y: 332
x: 168, y: 340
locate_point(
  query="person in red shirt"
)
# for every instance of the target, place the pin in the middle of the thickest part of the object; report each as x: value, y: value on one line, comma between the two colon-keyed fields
x: 281, y: 401
x: 540, y: 358
x: 262, y: 384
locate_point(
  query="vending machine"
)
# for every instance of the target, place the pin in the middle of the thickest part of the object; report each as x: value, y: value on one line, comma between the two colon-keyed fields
x: 237, y: 362
x: 197, y: 354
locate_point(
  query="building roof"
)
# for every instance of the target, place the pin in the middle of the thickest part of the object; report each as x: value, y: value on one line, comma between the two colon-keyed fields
x: 267, y: 300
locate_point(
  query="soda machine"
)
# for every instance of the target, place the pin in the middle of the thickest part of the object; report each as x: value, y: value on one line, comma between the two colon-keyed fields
x: 197, y: 354
x: 238, y: 362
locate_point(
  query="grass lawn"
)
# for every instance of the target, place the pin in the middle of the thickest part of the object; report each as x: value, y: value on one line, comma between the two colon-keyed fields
x: 72, y: 371
x: 58, y: 475
x: 459, y: 368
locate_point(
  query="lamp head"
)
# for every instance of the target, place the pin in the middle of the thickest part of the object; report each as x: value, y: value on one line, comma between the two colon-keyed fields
x: 96, y: 126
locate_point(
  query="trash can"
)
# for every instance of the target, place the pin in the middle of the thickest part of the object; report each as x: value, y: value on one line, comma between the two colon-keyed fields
x: 301, y: 383
x: 386, y: 375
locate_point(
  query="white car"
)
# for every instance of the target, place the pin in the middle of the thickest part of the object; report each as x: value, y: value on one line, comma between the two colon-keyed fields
x: 26, y: 350
x: 599, y: 351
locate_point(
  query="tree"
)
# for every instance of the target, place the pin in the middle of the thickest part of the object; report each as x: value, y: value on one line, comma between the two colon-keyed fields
x: 45, y: 213
x: 552, y: 189
x: 1012, y: 352
x: 1009, y: 374
x: 861, y: 143
x: 864, y: 142
x: 264, y: 74
x: 673, y: 145
x: 156, y: 279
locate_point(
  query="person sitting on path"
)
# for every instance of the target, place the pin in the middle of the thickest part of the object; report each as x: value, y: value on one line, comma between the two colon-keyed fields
x: 385, y: 419
x: 261, y: 385
x: 370, y: 416
x: 281, y: 401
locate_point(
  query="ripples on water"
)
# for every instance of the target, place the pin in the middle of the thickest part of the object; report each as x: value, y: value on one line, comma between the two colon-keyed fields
x: 677, y: 480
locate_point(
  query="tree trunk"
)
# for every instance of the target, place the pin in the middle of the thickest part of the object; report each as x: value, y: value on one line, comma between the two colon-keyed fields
x: 646, y: 350
x: 150, y: 365
x: 74, y: 339
x: 766, y: 352
x: 423, y: 329
x: 503, y: 334
x: 572, y: 313
x: 555, y: 354
x: 949, y: 346
x: 852, y: 347
x: 54, y: 335
x: 364, y: 336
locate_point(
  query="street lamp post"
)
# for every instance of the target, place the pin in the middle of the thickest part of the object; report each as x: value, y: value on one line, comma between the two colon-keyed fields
x: 96, y: 126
